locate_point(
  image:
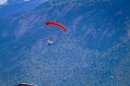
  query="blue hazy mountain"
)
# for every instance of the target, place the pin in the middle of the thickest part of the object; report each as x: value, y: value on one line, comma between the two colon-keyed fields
x: 18, y: 6
x: 95, y: 50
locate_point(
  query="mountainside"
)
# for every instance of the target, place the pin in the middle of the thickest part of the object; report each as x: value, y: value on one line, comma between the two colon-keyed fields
x: 95, y: 50
x: 18, y: 7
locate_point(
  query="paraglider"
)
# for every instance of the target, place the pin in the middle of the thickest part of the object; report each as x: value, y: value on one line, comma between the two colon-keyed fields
x: 50, y: 41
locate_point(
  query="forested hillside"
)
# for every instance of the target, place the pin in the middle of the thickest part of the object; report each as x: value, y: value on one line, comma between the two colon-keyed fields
x: 94, y: 51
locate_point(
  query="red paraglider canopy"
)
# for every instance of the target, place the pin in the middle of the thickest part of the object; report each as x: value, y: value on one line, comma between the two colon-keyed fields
x: 56, y: 24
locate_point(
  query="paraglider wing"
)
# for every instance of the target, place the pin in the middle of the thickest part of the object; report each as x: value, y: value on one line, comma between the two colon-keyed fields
x: 56, y: 24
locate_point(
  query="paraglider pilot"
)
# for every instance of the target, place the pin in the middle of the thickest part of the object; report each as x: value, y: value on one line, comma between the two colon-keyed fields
x: 50, y: 41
